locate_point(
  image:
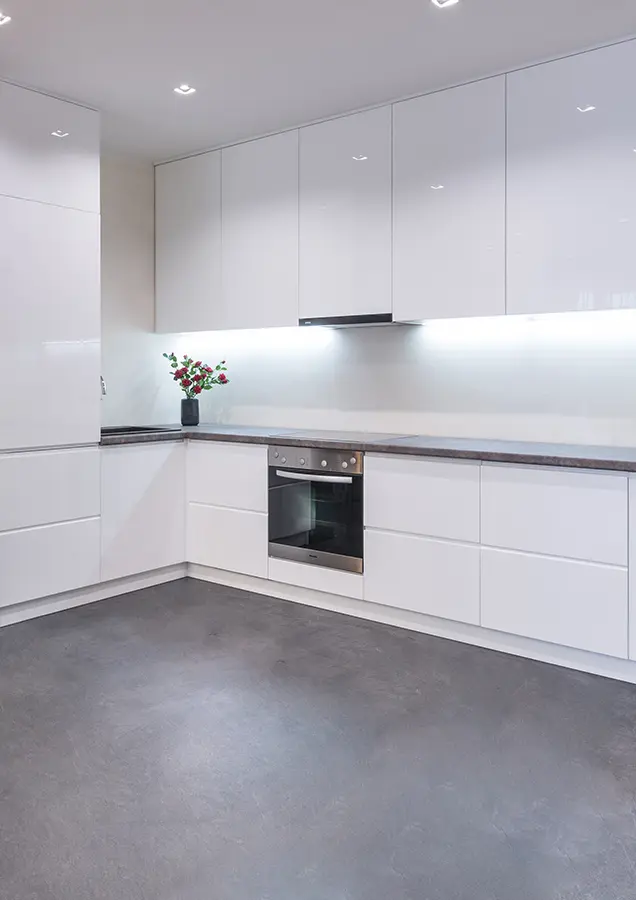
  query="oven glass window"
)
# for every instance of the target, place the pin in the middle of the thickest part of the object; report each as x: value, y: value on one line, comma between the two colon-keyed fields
x: 319, y: 516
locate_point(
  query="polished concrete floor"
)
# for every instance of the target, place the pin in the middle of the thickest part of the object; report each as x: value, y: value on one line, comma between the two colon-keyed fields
x: 191, y: 742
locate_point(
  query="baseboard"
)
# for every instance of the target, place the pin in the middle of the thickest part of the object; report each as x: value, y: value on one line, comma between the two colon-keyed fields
x: 567, y: 657
x: 44, y: 606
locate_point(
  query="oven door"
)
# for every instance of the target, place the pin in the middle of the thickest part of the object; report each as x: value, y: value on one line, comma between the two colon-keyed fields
x: 316, y: 518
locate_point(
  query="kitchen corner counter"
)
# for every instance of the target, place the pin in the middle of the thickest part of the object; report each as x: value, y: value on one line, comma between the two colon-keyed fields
x: 581, y: 456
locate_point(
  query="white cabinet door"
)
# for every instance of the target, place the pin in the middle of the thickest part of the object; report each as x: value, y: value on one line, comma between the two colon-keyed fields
x: 49, y: 325
x: 438, y: 578
x: 422, y: 496
x: 449, y: 182
x: 45, y: 487
x: 558, y: 512
x: 35, y: 163
x: 561, y: 601
x: 143, y: 508
x: 632, y: 567
x: 571, y: 183
x: 345, y: 216
x: 260, y: 233
x: 316, y: 578
x: 233, y: 475
x: 39, y: 562
x: 188, y: 244
x: 231, y: 539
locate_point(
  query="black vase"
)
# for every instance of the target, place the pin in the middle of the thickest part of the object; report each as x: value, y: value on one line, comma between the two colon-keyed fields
x: 190, y: 412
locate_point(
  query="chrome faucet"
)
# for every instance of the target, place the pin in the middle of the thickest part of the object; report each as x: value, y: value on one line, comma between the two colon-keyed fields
x: 103, y: 384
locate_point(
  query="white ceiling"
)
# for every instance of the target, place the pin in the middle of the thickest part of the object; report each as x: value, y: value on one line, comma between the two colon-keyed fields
x: 265, y: 65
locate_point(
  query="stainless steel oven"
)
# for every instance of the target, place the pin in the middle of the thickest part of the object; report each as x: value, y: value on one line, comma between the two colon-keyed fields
x: 315, y: 506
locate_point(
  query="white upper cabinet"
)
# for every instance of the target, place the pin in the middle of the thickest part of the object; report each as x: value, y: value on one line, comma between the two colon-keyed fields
x: 49, y: 149
x: 188, y: 244
x: 449, y: 182
x: 260, y: 233
x: 345, y: 216
x: 572, y: 183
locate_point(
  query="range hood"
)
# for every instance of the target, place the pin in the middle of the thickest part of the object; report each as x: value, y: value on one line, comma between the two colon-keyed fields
x: 349, y: 321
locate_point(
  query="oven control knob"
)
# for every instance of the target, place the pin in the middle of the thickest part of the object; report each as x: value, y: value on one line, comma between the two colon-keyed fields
x: 301, y: 461
x: 324, y: 463
x: 345, y: 465
x: 276, y: 454
x: 284, y: 459
x: 353, y: 460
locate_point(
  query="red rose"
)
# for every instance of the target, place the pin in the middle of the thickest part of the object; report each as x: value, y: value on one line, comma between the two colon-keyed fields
x: 208, y: 369
x: 186, y: 382
x: 198, y: 377
x: 222, y: 378
x: 197, y: 364
x: 197, y: 389
x: 222, y: 362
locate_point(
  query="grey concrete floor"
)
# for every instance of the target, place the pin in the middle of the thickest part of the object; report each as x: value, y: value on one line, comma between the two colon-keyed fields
x: 191, y: 742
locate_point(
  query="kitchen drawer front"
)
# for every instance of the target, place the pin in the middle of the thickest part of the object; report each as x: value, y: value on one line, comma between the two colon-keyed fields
x: 421, y: 496
x: 232, y: 475
x: 316, y: 578
x: 438, y: 578
x: 45, y: 487
x: 230, y: 539
x: 581, y: 515
x: 39, y: 562
x: 562, y: 601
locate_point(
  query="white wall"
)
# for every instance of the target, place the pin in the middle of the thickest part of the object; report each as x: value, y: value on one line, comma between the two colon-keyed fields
x: 558, y: 378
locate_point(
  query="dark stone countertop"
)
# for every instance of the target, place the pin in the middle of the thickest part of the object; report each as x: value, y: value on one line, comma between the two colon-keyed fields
x: 621, y: 459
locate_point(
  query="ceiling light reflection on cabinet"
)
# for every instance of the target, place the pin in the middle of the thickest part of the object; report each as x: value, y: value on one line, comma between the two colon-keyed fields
x: 359, y: 158
x: 437, y: 187
x: 4, y: 20
x: 444, y: 3
x: 185, y: 90
x: 588, y: 108
x: 59, y: 133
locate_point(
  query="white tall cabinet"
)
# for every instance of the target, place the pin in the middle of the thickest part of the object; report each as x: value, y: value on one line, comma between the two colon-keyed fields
x: 188, y: 244
x: 572, y: 183
x: 260, y: 233
x: 50, y: 341
x: 449, y: 171
x: 345, y: 216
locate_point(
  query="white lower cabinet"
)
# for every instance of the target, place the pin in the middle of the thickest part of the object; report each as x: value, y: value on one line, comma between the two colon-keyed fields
x: 39, y: 562
x: 632, y: 567
x: 562, y: 601
x: 438, y: 578
x: 143, y: 508
x: 230, y: 539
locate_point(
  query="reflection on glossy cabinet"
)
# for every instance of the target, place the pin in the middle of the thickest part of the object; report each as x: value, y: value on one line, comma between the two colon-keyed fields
x: 143, y: 508
x: 49, y: 149
x: 260, y: 233
x: 345, y: 216
x: 449, y: 172
x: 572, y: 183
x: 49, y: 324
x: 188, y: 244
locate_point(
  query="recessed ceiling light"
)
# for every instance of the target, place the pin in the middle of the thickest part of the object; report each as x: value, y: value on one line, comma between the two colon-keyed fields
x: 59, y: 133
x: 359, y: 158
x: 437, y: 187
x: 588, y: 108
x: 4, y: 20
x: 443, y: 3
x: 185, y: 89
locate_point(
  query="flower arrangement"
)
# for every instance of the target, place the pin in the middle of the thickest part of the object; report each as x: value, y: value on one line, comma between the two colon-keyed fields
x: 195, y: 377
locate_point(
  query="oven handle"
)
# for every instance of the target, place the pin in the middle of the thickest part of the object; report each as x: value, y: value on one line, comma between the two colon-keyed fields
x: 308, y: 476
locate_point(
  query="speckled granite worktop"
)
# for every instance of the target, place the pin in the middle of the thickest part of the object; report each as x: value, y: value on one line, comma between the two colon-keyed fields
x: 622, y: 459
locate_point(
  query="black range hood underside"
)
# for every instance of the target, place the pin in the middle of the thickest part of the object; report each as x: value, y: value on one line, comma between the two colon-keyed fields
x: 344, y: 321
